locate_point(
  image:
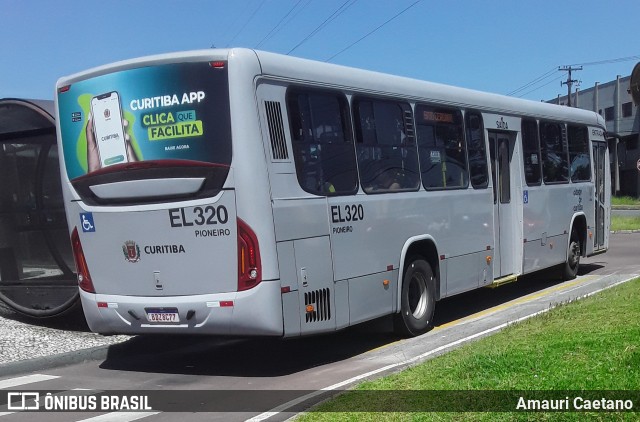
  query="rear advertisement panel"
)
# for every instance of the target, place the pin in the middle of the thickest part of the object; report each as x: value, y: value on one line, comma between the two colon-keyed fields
x: 168, y: 112
x: 138, y: 127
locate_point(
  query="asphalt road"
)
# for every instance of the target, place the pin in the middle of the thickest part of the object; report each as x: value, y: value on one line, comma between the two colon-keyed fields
x: 299, y: 369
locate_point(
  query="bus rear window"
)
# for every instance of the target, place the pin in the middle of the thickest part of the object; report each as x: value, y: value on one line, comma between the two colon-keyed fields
x: 169, y: 112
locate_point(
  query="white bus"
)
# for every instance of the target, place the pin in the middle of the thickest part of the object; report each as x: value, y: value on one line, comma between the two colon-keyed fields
x: 249, y: 193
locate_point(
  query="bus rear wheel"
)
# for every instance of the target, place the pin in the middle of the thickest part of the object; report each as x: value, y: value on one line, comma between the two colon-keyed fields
x: 570, y: 269
x: 417, y: 301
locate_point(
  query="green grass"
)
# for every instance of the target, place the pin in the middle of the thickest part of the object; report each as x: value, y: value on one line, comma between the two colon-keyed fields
x: 620, y: 222
x: 592, y: 344
x: 624, y: 200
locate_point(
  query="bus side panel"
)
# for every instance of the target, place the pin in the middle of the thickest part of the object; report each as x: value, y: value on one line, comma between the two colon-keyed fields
x: 342, y: 304
x: 534, y: 229
x: 300, y: 218
x: 315, y: 284
x: 547, y: 216
x: 289, y: 282
x: 468, y: 271
x: 584, y: 208
x: 371, y: 297
x: 544, y: 253
x: 368, y: 232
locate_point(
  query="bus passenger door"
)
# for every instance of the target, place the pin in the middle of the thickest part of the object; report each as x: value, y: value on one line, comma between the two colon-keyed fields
x: 501, y: 145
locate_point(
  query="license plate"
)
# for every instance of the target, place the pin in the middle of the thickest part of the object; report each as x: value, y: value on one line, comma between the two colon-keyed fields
x: 163, y: 315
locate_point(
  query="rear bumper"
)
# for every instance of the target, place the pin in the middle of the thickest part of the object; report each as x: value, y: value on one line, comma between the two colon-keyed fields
x: 253, y: 312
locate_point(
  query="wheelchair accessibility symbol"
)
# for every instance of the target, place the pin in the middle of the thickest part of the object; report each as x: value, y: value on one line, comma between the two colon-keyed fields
x: 86, y: 220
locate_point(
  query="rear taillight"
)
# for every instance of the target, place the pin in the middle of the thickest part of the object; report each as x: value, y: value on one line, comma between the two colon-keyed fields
x: 84, y: 278
x: 249, y: 267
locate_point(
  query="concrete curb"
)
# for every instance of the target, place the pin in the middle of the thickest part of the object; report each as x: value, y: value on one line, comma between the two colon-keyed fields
x: 625, y: 207
x: 133, y: 346
x: 625, y: 231
x: 56, y: 361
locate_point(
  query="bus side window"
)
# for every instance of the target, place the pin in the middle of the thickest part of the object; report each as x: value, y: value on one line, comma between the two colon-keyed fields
x: 477, y: 151
x: 555, y: 165
x: 322, y: 142
x: 531, y: 148
x: 579, y: 153
x: 442, y: 148
x: 386, y: 147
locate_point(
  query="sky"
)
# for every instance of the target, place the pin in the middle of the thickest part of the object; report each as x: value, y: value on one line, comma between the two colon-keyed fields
x: 498, y: 46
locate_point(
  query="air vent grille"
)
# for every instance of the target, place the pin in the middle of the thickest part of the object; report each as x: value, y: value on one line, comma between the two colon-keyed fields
x: 408, y: 122
x: 321, y: 301
x: 276, y: 131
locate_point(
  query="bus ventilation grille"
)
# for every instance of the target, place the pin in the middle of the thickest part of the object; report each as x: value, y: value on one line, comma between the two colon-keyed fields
x: 276, y: 131
x: 320, y: 299
x: 408, y: 123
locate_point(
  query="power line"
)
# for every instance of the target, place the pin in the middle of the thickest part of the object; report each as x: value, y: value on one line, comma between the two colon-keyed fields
x: 371, y: 32
x: 298, y: 12
x: 541, y: 86
x: 618, y: 60
x: 550, y: 73
x: 246, y: 22
x: 278, y: 26
x: 340, y: 10
x: 535, y: 81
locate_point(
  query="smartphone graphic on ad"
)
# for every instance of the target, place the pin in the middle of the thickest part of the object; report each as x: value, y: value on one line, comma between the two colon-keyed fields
x: 108, y: 129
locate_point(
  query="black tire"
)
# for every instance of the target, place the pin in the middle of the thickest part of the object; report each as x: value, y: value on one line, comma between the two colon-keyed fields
x: 570, y: 267
x: 417, y: 301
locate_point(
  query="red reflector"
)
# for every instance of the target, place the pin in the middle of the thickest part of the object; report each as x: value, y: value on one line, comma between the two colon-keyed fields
x: 442, y: 257
x: 103, y: 305
x: 286, y: 289
x: 489, y: 247
x: 217, y: 65
x: 82, y: 269
x: 64, y: 89
x: 389, y: 267
x: 226, y: 303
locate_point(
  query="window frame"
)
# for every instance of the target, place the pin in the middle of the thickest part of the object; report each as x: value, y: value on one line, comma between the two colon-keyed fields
x: 359, y: 142
x: 609, y: 114
x: 586, y: 151
x: 437, y: 108
x: 565, y: 150
x: 347, y: 130
x: 467, y: 114
x: 538, y: 150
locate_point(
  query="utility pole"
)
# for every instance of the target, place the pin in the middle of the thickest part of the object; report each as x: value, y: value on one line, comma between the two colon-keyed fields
x: 569, y: 81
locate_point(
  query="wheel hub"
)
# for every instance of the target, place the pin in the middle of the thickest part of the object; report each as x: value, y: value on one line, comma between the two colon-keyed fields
x: 418, y: 296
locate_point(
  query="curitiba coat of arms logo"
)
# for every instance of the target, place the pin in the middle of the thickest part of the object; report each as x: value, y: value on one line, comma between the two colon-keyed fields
x: 131, y: 251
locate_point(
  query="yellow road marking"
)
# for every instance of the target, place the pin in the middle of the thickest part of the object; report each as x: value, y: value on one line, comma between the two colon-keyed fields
x: 514, y: 302
x: 528, y: 298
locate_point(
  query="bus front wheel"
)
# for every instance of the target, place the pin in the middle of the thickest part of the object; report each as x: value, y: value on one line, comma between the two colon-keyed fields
x: 417, y: 301
x: 573, y: 257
